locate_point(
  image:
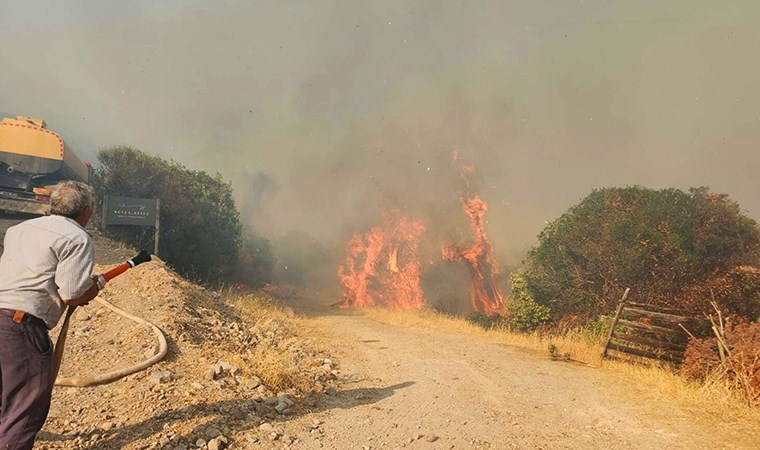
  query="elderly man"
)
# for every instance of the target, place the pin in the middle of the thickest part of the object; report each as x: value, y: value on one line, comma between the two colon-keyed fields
x: 46, y: 265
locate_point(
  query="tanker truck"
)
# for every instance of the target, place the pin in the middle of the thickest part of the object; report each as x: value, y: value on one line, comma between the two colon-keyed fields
x: 32, y: 160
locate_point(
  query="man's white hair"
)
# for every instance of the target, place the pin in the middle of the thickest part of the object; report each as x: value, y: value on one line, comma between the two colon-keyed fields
x: 70, y: 198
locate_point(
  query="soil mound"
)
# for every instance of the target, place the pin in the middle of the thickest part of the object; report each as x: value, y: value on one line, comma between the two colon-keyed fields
x: 220, y: 379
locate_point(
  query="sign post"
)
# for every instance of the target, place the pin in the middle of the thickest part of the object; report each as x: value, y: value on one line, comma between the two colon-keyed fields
x: 143, y: 212
x: 158, y: 226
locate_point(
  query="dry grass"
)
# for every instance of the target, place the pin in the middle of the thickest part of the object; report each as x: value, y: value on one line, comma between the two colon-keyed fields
x: 581, y: 348
x: 712, y: 399
x: 280, y: 364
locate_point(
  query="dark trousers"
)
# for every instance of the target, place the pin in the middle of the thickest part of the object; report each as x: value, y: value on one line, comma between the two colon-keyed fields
x: 25, y: 384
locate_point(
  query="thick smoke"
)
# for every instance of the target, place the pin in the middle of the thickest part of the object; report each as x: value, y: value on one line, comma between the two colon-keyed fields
x: 323, y: 113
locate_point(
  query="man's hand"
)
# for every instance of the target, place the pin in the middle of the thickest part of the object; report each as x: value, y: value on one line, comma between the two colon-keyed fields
x: 98, y: 282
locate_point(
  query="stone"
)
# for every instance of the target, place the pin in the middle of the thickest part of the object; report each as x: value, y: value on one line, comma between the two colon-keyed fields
x: 253, y: 382
x: 217, y: 444
x: 219, y: 370
x: 212, y: 433
x: 281, y: 407
x: 160, y: 377
x: 284, y: 398
x: 266, y: 426
x: 200, y: 443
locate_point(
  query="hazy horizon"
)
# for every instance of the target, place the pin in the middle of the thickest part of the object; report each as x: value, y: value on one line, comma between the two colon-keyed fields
x: 323, y: 113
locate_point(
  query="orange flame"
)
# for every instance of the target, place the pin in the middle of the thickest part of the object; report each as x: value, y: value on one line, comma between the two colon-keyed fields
x: 382, y: 267
x: 486, y: 294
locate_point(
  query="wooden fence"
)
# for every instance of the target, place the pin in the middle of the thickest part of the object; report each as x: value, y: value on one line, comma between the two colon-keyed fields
x: 649, y: 332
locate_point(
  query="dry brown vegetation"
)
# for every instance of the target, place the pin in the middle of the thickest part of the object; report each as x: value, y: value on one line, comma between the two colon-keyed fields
x: 278, y: 369
x: 738, y: 366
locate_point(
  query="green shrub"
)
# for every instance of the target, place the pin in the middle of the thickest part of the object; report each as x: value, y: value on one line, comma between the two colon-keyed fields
x: 657, y: 242
x: 524, y: 313
x: 485, y: 321
x: 201, y: 235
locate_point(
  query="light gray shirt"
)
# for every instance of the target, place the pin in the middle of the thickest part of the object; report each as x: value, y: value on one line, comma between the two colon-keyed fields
x: 45, y: 260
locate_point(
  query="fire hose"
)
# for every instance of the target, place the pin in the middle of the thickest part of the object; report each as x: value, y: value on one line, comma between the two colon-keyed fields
x: 116, y: 374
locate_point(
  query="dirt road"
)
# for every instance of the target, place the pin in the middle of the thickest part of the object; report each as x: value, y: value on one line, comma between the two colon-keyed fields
x: 460, y: 392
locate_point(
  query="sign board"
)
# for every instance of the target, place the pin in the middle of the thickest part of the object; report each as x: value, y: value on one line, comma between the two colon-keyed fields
x: 131, y: 211
x: 144, y: 212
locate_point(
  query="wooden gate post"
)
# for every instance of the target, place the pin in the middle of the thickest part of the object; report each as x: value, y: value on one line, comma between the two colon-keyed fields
x: 618, y: 313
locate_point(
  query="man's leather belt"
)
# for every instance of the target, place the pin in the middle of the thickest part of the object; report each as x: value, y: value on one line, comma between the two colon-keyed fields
x: 19, y: 316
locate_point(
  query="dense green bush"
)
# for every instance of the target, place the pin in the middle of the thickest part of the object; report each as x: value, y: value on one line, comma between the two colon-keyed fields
x: 659, y: 243
x: 201, y: 235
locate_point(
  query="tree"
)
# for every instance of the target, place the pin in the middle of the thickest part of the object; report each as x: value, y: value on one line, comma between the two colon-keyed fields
x: 660, y: 243
x: 201, y: 235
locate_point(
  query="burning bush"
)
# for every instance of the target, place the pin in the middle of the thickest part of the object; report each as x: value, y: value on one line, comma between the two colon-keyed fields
x: 382, y: 267
x: 486, y: 294
x: 478, y: 254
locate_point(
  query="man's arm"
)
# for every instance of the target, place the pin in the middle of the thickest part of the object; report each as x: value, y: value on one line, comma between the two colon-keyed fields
x: 72, y: 276
x: 85, y: 298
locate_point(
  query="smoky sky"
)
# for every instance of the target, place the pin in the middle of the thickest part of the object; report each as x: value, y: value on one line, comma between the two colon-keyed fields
x: 324, y: 112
